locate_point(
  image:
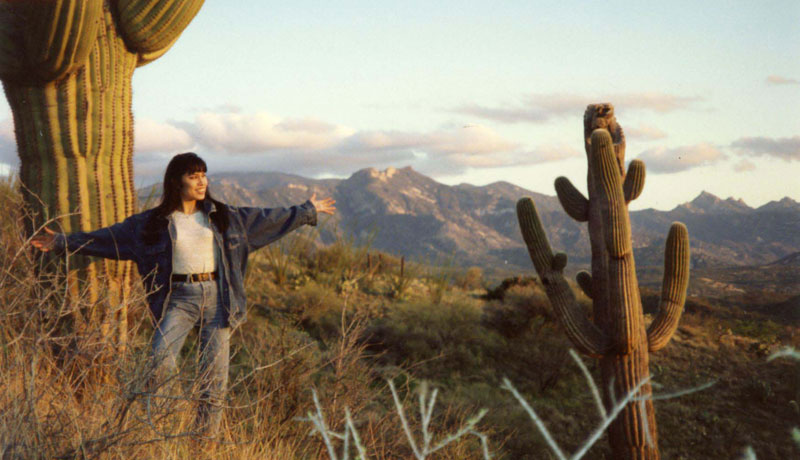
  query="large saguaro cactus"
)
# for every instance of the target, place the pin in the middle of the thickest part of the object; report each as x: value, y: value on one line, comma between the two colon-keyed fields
x: 66, y: 67
x: 617, y: 335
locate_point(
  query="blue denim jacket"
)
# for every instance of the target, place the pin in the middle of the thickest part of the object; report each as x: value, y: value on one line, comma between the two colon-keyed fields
x: 249, y: 229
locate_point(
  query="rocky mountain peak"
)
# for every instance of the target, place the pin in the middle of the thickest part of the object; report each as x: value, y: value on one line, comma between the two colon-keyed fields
x: 784, y: 204
x: 707, y: 202
x: 416, y: 216
x: 389, y: 174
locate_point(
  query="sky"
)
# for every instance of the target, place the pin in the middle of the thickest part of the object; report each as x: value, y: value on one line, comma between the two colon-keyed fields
x: 479, y: 91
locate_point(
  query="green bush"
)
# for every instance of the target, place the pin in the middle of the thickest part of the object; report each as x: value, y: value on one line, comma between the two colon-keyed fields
x: 439, y: 278
x: 514, y: 315
x: 448, y: 336
x: 318, y: 309
x: 765, y: 331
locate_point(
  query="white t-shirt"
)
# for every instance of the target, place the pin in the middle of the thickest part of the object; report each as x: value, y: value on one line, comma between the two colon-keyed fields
x: 193, y: 249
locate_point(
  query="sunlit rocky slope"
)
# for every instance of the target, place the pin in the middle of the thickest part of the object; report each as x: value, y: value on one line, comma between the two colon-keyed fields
x: 413, y: 215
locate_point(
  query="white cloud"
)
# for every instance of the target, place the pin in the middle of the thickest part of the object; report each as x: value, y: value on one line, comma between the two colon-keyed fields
x: 315, y: 146
x: 518, y: 114
x: 552, y: 152
x: 220, y: 108
x: 472, y: 140
x: 539, y: 108
x: 304, y: 163
x: 454, y: 163
x: 150, y: 136
x: 262, y: 132
x: 744, y: 165
x: 671, y: 160
x: 365, y: 141
x: 785, y: 148
x: 653, y: 101
x: 644, y: 132
x: 778, y: 80
x: 262, y: 141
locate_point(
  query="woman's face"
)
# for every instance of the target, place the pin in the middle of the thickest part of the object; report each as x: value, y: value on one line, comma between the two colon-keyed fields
x: 193, y: 186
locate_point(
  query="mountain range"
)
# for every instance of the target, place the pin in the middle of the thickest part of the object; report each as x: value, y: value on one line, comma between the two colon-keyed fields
x: 407, y: 213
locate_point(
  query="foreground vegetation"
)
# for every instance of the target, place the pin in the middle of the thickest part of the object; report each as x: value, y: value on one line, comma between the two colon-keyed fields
x: 341, y: 321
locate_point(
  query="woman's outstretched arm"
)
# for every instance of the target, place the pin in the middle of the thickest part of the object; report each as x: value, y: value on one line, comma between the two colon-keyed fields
x: 114, y: 242
x: 265, y: 225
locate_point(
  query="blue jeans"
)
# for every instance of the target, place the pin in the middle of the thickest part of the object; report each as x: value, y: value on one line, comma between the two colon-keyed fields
x: 190, y: 305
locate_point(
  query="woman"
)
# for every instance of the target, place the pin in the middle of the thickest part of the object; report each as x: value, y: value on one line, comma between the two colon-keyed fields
x: 191, y: 251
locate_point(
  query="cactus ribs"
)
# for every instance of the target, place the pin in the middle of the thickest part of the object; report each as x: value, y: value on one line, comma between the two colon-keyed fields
x: 617, y: 335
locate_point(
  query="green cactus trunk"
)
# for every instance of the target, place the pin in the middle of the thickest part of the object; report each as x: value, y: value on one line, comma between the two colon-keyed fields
x: 67, y: 67
x: 75, y: 142
x: 617, y: 304
x: 618, y: 336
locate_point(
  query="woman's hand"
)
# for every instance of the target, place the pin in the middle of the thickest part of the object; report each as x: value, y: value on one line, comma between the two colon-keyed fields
x: 324, y: 205
x: 44, y: 242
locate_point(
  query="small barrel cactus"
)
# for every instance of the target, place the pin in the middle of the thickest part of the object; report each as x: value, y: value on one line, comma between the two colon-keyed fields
x: 617, y: 333
x: 66, y: 67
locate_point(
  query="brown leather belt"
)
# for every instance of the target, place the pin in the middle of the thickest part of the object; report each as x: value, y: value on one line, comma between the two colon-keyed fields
x: 194, y: 277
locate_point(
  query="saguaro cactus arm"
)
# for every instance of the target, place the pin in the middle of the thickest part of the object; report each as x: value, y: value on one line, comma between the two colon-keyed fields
x: 584, y: 280
x: 148, y: 57
x: 586, y: 336
x: 151, y: 27
x: 572, y: 200
x: 45, y: 40
x: 673, y: 288
x: 634, y: 180
x: 604, y: 168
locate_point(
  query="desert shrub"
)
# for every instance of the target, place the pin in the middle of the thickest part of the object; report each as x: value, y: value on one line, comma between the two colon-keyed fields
x: 470, y: 279
x: 455, y: 342
x: 402, y: 279
x: 439, y: 278
x: 382, y: 263
x: 318, y: 309
x: 448, y: 336
x: 498, y: 292
x: 343, y: 264
x: 522, y: 304
x: 765, y: 331
x: 284, y: 256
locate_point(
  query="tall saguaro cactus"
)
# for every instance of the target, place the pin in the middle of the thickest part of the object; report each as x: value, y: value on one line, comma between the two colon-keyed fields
x: 66, y: 67
x: 617, y: 334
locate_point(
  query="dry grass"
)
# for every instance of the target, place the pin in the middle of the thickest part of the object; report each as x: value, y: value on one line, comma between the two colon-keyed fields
x: 325, y: 321
x: 69, y: 392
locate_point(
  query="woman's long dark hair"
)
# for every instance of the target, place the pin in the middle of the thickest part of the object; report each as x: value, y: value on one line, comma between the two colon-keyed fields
x: 183, y: 163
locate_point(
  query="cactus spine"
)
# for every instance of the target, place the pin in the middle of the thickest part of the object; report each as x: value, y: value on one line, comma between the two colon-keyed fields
x: 66, y: 67
x: 617, y: 336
